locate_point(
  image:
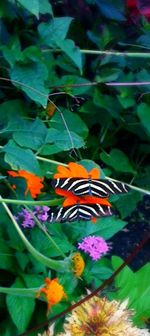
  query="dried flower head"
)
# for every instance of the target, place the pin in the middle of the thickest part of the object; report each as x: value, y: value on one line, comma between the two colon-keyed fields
x: 101, y: 317
x: 94, y: 246
x: 78, y: 264
x: 53, y: 291
x: 34, y: 183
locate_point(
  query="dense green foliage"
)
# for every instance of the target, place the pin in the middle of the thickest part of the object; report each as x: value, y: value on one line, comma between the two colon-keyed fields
x: 47, y: 65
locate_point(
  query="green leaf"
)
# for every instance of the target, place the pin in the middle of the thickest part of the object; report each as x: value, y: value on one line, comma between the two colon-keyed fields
x: 73, y: 120
x: 72, y: 79
x: 72, y: 51
x: 20, y: 308
x: 62, y: 139
x: 7, y: 258
x: 109, y: 226
x: 105, y: 227
x: 44, y: 245
x: 127, y: 203
x: 55, y: 30
x: 30, y: 134
x: 31, y: 78
x: 125, y: 281
x: 45, y: 7
x: 143, y: 112
x: 118, y: 161
x: 31, y: 6
x: 19, y: 158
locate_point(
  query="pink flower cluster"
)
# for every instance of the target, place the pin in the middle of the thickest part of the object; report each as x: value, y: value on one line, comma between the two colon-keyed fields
x: 94, y: 246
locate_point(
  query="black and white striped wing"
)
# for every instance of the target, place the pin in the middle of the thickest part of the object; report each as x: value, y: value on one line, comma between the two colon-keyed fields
x: 83, y: 187
x: 78, y: 212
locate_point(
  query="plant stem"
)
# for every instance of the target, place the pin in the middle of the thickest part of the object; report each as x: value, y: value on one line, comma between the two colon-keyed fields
x: 24, y: 202
x: 53, y: 264
x: 106, y: 52
x: 46, y: 233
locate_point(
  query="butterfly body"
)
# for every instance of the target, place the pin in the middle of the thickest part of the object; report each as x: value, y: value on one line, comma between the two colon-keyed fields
x: 93, y: 187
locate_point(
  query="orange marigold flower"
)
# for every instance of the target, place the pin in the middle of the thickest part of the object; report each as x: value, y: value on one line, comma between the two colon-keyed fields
x: 76, y: 170
x: 34, y: 183
x: 78, y: 264
x: 53, y: 291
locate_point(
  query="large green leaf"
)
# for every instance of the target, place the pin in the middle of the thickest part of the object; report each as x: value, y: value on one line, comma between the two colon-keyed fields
x: 64, y: 140
x: 134, y: 286
x: 45, y: 246
x: 72, y: 51
x: 31, y: 79
x: 127, y: 203
x: 45, y: 7
x: 19, y: 158
x: 118, y: 161
x: 20, y: 308
x: 73, y: 120
x: 55, y: 30
x: 7, y: 258
x: 143, y: 112
x: 30, y: 134
x: 31, y: 6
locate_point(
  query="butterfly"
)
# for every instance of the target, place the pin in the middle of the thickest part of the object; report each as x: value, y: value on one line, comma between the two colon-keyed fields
x: 78, y: 212
x: 83, y: 186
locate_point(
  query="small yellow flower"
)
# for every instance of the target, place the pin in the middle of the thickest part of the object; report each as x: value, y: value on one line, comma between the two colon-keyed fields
x: 78, y: 264
x: 53, y: 291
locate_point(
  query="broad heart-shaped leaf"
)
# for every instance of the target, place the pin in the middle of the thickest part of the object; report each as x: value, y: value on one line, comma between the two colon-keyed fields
x: 118, y: 161
x: 105, y: 227
x: 143, y: 112
x: 128, y: 202
x: 19, y: 158
x: 31, y: 6
x: 54, y: 31
x: 73, y: 120
x: 31, y: 79
x: 20, y: 308
x: 64, y: 140
x: 30, y: 134
x: 72, y: 51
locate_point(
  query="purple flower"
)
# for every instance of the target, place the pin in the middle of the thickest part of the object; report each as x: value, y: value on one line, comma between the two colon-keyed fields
x: 41, y: 212
x: 94, y: 246
x: 26, y: 218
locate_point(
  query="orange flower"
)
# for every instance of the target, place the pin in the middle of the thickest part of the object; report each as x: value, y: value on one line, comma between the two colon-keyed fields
x: 34, y: 183
x: 76, y: 170
x: 72, y: 199
x: 53, y: 291
x: 78, y: 264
